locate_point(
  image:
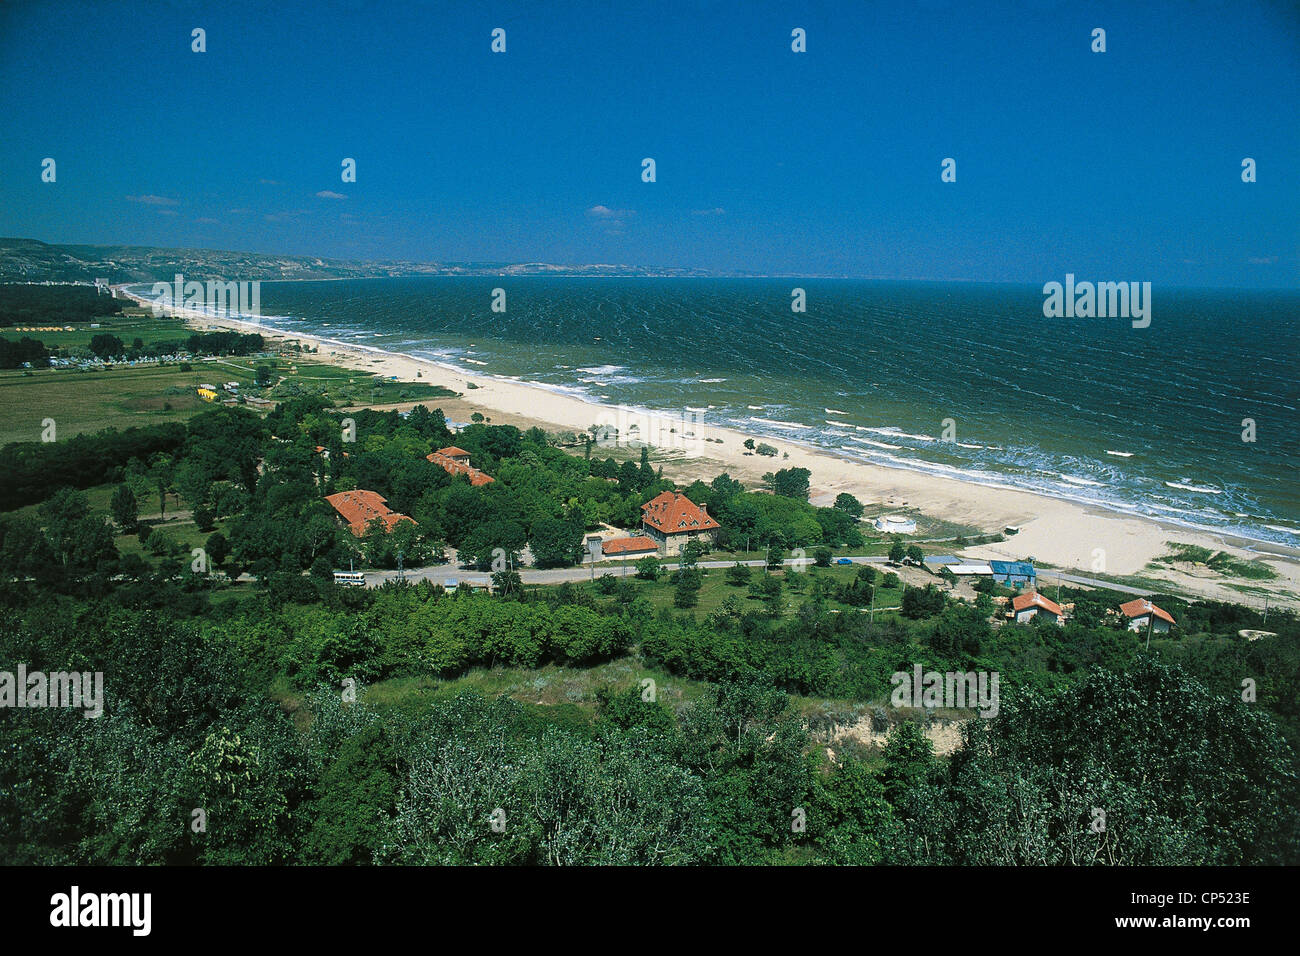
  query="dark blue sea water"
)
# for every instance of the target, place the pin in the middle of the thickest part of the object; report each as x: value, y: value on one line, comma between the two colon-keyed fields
x: 1144, y: 421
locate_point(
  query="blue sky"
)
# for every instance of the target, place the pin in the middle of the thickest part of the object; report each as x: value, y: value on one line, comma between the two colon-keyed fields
x: 1123, y: 165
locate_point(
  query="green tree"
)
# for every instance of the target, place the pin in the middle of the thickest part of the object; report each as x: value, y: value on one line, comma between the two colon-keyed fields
x: 848, y: 504
x: 738, y: 575
x: 909, y: 760
x: 556, y: 542
x: 124, y: 508
x: 687, y: 593
x: 1185, y: 777
x: 106, y: 345
x: 161, y: 472
x: 507, y: 583
x: 922, y: 602
x: 790, y: 483
x: 217, y: 548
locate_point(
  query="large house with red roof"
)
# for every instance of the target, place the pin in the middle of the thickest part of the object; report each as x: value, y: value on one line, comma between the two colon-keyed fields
x: 1142, y: 614
x: 455, y: 461
x: 672, y: 519
x: 359, y: 508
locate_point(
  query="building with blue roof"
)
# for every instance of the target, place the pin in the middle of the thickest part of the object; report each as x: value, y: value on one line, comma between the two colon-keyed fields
x: 1014, y: 573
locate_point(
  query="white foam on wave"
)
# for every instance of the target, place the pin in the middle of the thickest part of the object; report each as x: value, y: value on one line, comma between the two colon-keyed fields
x: 1081, y: 481
x: 1203, y: 489
x: 769, y: 421
x: 875, y: 444
x: 896, y: 433
x: 838, y: 424
x: 835, y: 411
x: 1120, y: 454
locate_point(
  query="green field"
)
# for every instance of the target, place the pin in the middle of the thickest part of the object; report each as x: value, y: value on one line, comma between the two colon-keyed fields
x: 133, y: 323
x: 90, y: 400
x: 714, y: 589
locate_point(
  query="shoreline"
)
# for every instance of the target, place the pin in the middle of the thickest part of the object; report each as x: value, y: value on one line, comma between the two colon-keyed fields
x: 1059, y: 532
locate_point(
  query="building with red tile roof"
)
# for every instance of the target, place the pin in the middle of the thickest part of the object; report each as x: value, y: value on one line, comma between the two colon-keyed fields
x: 1025, y: 606
x: 672, y: 519
x: 1141, y: 613
x: 620, y: 547
x: 359, y: 508
x: 455, y: 461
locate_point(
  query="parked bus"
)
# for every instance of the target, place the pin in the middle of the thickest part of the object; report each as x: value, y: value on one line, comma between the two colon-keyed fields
x: 350, y: 579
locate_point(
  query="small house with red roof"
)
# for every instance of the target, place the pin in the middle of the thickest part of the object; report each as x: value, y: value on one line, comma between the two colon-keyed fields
x: 634, y: 546
x: 672, y: 519
x: 1142, y: 614
x: 359, y: 508
x: 1026, y: 606
x: 454, y: 453
x: 455, y: 461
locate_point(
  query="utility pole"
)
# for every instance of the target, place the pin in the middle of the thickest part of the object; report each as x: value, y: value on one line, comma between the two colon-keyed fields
x: 401, y: 572
x: 1265, y: 608
x: 1151, y: 622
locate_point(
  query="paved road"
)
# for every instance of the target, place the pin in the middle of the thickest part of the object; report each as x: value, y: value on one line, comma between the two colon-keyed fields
x: 440, y: 573
x: 1045, y: 578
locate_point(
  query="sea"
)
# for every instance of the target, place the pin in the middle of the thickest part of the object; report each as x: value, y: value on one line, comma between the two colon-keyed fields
x: 965, y: 380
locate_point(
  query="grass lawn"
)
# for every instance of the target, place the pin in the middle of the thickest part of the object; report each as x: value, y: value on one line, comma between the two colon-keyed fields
x: 345, y: 386
x: 134, y: 323
x: 89, y: 401
x: 715, y: 590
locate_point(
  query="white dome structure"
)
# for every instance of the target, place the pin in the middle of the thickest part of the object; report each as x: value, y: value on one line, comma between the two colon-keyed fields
x: 895, y: 524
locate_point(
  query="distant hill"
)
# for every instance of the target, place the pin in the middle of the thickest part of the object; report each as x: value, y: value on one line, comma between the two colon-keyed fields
x: 29, y: 260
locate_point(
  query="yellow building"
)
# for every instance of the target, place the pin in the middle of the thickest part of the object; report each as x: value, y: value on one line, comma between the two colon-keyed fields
x: 208, y: 394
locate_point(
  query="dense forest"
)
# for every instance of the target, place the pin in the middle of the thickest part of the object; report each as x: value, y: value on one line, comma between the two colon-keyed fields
x: 288, y: 720
x: 54, y: 305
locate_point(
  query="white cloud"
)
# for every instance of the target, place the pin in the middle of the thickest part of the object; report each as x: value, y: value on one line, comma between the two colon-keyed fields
x: 604, y: 212
x: 152, y: 200
x: 327, y: 194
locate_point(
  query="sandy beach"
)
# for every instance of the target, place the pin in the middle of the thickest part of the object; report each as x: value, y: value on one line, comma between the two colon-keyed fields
x: 1058, y: 533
